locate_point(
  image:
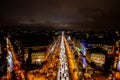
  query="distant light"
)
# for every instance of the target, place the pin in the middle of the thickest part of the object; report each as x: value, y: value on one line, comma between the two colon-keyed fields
x: 90, y: 45
x: 118, y: 65
x: 62, y: 32
x: 7, y: 40
x: 38, y: 59
x: 84, y: 62
x: 69, y: 38
x: 83, y: 50
x: 84, y: 43
x: 78, y: 49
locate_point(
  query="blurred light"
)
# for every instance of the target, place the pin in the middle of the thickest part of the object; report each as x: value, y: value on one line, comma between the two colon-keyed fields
x: 83, y: 43
x: 38, y: 59
x: 118, y: 65
x: 83, y: 50
x: 69, y: 38
x: 90, y: 45
x: 16, y: 67
x: 78, y: 49
x: 84, y: 62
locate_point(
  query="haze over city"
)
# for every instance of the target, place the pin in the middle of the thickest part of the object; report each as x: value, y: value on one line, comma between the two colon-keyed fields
x: 59, y: 13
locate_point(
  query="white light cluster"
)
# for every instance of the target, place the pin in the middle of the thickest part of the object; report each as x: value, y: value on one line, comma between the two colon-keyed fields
x: 9, y: 57
x: 83, y: 50
x: 63, y: 73
x: 53, y: 47
x: 118, y: 66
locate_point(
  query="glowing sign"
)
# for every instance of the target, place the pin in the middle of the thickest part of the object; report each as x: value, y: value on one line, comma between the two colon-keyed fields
x: 83, y: 50
x: 83, y: 43
x: 78, y: 49
x: 84, y: 62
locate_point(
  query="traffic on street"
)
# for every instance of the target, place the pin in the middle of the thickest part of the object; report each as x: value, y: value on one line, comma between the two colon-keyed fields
x: 64, y: 58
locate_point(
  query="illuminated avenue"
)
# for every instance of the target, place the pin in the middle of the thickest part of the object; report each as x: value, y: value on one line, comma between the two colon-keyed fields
x: 60, y: 55
x: 59, y: 39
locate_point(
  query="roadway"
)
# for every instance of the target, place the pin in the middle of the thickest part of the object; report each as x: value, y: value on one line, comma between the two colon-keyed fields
x: 50, y: 67
x: 71, y: 62
x: 63, y: 71
x: 14, y: 62
x: 58, y: 65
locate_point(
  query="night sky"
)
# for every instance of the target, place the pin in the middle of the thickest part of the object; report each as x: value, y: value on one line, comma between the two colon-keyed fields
x: 81, y: 14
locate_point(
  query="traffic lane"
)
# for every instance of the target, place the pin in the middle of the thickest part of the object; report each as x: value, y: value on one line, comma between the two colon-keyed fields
x: 63, y: 70
x: 15, y: 60
x: 50, y: 65
x: 72, y: 67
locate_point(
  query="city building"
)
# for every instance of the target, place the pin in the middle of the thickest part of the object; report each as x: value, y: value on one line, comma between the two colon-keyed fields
x: 98, y: 58
x: 37, y: 57
x: 35, y: 54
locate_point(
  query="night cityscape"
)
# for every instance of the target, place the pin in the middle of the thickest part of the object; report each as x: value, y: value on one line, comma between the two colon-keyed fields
x: 59, y: 40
